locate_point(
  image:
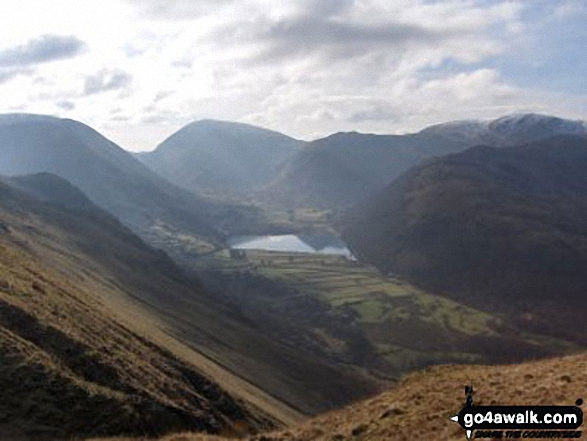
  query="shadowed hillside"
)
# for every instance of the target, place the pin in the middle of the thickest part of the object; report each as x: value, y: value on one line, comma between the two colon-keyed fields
x: 111, y: 177
x: 501, y: 228
x: 221, y: 156
x: 346, y: 168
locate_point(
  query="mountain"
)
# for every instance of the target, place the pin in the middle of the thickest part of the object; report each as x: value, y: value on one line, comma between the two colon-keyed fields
x: 419, y: 407
x: 531, y: 127
x: 213, y: 155
x: 111, y: 177
x: 502, y: 228
x: 509, y: 130
x: 169, y: 306
x: 346, y: 168
x: 79, y: 353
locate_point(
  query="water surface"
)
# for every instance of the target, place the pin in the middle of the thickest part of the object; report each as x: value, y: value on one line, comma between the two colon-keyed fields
x: 292, y: 243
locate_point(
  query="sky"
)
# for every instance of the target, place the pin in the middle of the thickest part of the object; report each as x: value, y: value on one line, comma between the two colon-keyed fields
x: 138, y: 70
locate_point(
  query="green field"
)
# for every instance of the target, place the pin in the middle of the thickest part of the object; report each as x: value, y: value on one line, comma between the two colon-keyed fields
x: 350, y: 313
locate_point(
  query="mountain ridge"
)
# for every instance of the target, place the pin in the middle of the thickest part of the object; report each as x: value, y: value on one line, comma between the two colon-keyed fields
x: 492, y: 226
x: 346, y: 167
x: 213, y: 155
x: 422, y: 403
x: 111, y: 177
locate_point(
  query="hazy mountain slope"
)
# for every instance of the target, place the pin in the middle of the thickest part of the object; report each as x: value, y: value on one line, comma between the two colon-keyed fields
x: 347, y: 167
x: 68, y: 365
x: 219, y: 155
x: 508, y: 130
x: 420, y: 406
x: 243, y: 356
x: 504, y: 228
x: 107, y: 174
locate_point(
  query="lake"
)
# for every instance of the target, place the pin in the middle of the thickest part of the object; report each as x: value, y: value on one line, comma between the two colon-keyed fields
x: 292, y: 243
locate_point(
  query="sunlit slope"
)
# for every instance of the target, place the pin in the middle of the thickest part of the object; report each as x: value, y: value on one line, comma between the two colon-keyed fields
x: 420, y: 406
x: 70, y: 365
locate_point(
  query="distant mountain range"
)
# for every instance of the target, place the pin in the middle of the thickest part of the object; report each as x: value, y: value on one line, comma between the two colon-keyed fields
x: 111, y: 177
x: 503, y: 228
x: 214, y: 155
x: 345, y: 168
x: 329, y: 173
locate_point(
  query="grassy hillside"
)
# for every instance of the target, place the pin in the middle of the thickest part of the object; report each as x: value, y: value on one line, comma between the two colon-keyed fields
x: 220, y: 156
x: 242, y: 355
x: 70, y: 364
x: 500, y: 228
x: 419, y: 407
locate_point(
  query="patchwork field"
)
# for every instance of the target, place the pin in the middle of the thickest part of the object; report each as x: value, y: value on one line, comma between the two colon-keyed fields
x: 348, y: 312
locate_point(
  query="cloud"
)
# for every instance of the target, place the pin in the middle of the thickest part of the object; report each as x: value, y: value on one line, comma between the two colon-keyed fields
x: 8, y: 74
x: 178, y: 9
x: 375, y: 111
x: 308, y: 34
x: 333, y: 30
x: 41, y: 50
x: 304, y: 67
x: 162, y: 94
x: 65, y: 105
x: 326, y: 8
x: 106, y: 80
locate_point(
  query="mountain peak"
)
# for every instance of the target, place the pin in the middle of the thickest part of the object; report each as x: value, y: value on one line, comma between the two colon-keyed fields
x: 537, y: 123
x: 214, y: 155
x: 12, y: 118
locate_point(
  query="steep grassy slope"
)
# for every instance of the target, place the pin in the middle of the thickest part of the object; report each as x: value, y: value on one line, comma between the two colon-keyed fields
x: 69, y: 364
x: 244, y: 356
x: 346, y: 168
x: 111, y: 177
x: 502, y: 228
x: 213, y: 155
x: 420, y: 406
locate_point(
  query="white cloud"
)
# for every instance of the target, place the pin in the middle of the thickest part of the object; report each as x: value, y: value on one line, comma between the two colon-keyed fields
x: 306, y: 67
x: 106, y: 80
x: 41, y: 50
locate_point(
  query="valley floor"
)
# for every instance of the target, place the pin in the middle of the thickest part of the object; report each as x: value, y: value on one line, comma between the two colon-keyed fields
x: 349, y: 313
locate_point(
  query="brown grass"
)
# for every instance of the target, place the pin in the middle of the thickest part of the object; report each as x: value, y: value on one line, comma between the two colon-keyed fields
x: 69, y: 363
x: 419, y: 407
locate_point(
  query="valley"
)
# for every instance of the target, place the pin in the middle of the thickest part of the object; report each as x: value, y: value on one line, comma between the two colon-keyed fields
x: 289, y: 307
x: 349, y: 314
x: 316, y: 220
